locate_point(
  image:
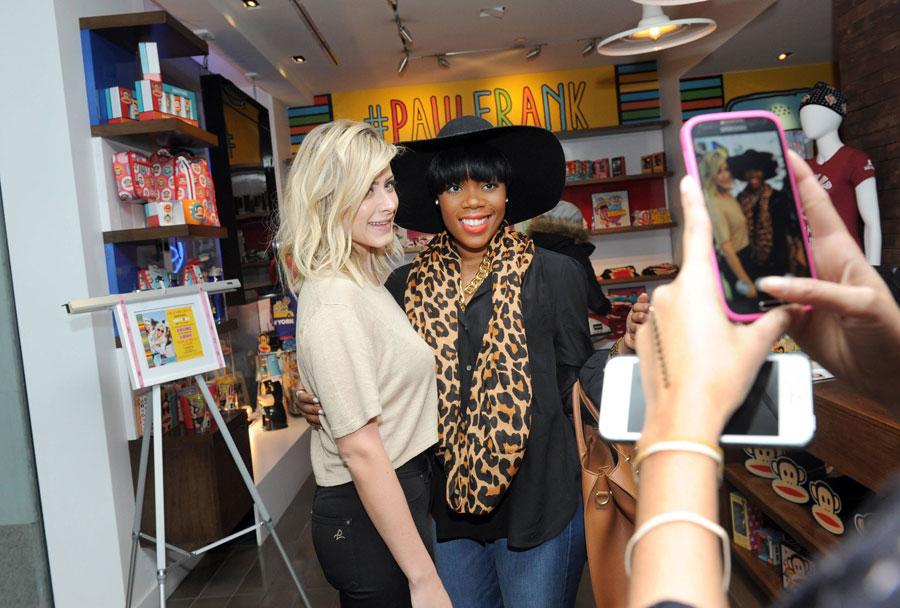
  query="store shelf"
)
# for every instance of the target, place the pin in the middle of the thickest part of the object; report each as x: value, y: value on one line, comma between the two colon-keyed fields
x: 615, y: 130
x: 762, y: 573
x: 627, y: 229
x: 162, y: 132
x: 172, y: 38
x: 796, y: 520
x: 854, y: 434
x: 617, y: 180
x: 637, y: 279
x: 144, y: 235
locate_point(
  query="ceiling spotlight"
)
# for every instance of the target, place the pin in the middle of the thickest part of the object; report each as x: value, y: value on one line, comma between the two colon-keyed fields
x: 251, y: 3
x: 783, y: 55
x: 496, y: 12
x: 534, y: 52
x: 298, y: 58
x: 404, y: 34
x: 589, y: 47
x: 655, y: 32
x: 442, y: 61
x: 403, y: 62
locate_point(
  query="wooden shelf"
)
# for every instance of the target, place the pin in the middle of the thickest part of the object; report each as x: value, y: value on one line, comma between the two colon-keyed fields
x: 637, y: 279
x: 162, y: 132
x: 796, y: 520
x: 614, y: 130
x: 761, y: 572
x: 172, y: 38
x: 617, y: 180
x: 855, y: 434
x: 627, y: 229
x: 145, y: 235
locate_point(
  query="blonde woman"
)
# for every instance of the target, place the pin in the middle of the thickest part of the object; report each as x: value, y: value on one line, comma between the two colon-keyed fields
x: 730, y: 231
x: 372, y: 373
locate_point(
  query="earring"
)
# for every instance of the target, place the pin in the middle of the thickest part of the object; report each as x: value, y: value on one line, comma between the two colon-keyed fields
x: 507, y: 199
x: 436, y: 202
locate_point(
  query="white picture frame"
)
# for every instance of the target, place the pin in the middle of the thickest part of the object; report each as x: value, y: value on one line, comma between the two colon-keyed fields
x: 168, y: 338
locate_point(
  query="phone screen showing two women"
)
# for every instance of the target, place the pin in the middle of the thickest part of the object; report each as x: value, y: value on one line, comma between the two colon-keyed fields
x: 757, y: 415
x: 756, y: 227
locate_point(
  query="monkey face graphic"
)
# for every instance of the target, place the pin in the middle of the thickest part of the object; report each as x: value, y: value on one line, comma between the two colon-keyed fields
x: 789, y: 480
x: 827, y: 507
x: 759, y: 462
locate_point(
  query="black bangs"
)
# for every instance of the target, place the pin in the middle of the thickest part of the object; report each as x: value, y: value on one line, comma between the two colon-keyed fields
x: 480, y: 162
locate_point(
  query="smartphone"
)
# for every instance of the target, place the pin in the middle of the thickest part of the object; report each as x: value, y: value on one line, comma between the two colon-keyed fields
x: 758, y: 226
x: 777, y: 411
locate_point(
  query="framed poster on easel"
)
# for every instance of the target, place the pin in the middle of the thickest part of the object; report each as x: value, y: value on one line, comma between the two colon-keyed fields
x: 169, y: 339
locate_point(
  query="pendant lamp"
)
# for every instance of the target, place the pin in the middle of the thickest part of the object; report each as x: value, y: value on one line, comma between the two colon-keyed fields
x: 655, y: 32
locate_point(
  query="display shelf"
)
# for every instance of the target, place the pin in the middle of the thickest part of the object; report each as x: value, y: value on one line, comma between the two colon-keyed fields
x: 613, y: 130
x: 854, y: 434
x: 162, y: 132
x: 627, y: 229
x: 637, y: 279
x: 126, y: 30
x: 617, y: 180
x: 143, y: 235
x: 796, y: 520
x: 762, y: 573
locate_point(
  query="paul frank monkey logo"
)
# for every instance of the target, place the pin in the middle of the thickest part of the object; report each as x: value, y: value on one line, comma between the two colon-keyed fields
x: 759, y: 462
x: 789, y: 481
x: 827, y: 506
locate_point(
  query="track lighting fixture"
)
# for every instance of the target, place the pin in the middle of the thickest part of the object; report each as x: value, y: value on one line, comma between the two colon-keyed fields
x: 251, y: 4
x: 589, y: 47
x: 404, y: 34
x: 404, y: 61
x: 534, y: 52
x: 443, y: 61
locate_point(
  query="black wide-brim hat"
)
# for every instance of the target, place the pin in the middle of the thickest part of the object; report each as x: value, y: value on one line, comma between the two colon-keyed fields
x: 534, y: 154
x: 753, y: 160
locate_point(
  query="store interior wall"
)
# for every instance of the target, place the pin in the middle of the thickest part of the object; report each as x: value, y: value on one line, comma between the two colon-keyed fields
x: 24, y: 574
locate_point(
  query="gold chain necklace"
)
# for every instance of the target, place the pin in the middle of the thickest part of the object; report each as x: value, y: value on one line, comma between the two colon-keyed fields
x: 465, y: 294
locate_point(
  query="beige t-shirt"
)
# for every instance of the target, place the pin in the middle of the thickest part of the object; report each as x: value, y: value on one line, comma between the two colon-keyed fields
x: 360, y: 356
x: 729, y: 223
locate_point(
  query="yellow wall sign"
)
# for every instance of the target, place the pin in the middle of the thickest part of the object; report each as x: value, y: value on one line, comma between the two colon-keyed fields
x: 565, y: 100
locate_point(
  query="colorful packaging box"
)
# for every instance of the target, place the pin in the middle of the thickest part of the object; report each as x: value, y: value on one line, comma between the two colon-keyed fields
x: 659, y: 162
x: 795, y: 566
x: 150, y: 99
x: 601, y: 168
x: 164, y: 213
x: 185, y: 104
x: 149, y: 56
x: 134, y: 179
x: 647, y: 164
x: 769, y: 542
x: 641, y: 218
x: 740, y: 530
x: 660, y: 216
x: 617, y: 166
x: 119, y: 102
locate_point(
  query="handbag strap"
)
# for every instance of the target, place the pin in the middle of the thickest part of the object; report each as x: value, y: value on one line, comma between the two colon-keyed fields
x: 579, y: 398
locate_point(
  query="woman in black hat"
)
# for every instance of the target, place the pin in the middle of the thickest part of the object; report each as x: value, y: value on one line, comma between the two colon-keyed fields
x: 507, y: 323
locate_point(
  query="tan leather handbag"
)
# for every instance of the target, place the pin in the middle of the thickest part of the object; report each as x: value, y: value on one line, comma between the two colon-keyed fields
x: 609, y: 493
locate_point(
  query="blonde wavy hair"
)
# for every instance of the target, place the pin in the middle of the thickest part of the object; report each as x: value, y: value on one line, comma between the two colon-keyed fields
x: 326, y: 185
x: 709, y: 167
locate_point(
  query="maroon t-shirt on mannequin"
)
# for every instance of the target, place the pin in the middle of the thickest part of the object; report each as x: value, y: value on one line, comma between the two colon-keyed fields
x: 840, y: 175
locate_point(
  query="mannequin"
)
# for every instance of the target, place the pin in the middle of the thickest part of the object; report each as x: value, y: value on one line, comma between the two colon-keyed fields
x: 846, y: 173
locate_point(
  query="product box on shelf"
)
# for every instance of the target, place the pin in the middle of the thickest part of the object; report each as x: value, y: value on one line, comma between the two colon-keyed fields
x: 659, y: 162
x: 120, y: 104
x: 149, y: 56
x: 660, y: 216
x: 182, y: 103
x: 647, y: 164
x: 164, y: 213
x: 795, y: 566
x: 617, y: 167
x: 150, y: 99
x: 601, y: 168
x: 740, y: 529
x: 134, y: 177
x: 610, y: 209
x: 768, y: 542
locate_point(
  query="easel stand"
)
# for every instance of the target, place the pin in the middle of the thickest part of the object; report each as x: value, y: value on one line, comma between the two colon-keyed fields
x: 155, y: 428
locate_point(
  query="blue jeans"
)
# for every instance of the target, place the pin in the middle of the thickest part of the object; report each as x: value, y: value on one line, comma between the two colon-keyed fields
x: 491, y: 575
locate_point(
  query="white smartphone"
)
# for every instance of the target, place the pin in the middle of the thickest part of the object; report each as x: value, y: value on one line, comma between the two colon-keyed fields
x: 778, y: 409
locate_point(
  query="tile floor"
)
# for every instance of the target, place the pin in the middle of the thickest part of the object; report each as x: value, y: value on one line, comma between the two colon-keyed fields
x: 242, y: 575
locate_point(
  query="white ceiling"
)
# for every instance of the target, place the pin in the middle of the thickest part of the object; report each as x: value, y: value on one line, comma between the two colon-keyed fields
x: 364, y: 38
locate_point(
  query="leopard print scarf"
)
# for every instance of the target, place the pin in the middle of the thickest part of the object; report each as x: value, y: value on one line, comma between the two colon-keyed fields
x: 759, y: 224
x: 481, y: 442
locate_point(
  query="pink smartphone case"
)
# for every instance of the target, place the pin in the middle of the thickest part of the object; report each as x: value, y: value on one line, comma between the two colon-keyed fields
x: 690, y: 163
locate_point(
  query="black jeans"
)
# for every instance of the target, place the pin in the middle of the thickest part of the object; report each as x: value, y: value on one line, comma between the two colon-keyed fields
x: 352, y: 554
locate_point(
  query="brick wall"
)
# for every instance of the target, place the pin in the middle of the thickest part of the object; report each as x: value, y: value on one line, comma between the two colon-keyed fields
x: 867, y: 52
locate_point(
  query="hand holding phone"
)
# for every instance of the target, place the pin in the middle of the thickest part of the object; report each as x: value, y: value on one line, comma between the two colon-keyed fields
x: 750, y: 192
